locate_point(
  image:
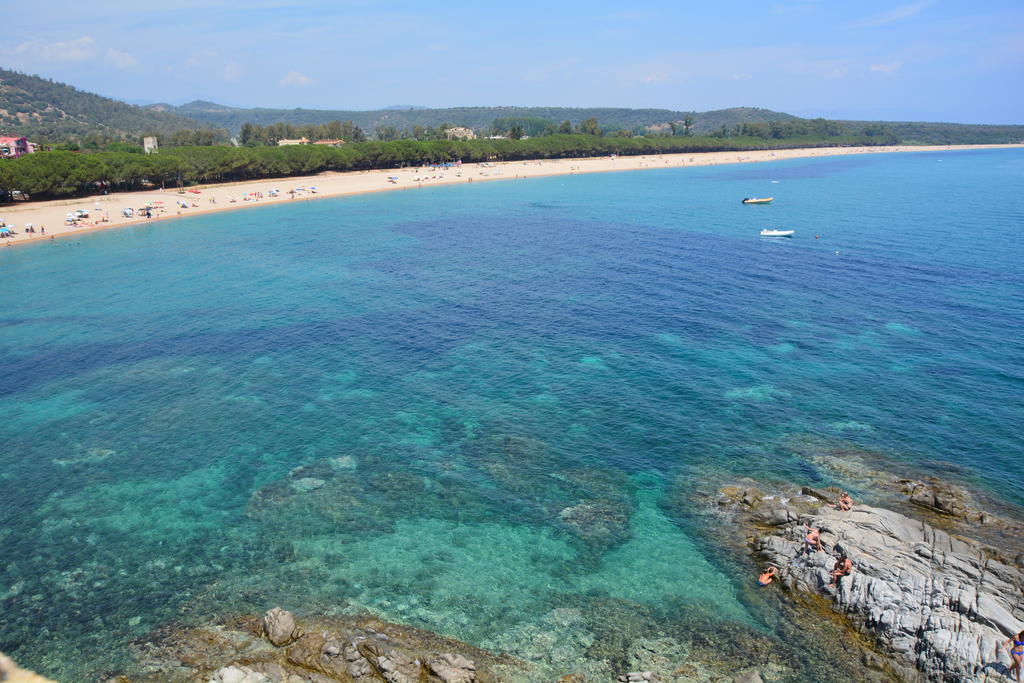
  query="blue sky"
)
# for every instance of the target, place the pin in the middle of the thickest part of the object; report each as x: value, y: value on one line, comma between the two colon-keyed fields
x: 930, y: 60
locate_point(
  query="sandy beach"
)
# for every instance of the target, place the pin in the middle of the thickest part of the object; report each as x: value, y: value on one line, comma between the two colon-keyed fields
x: 49, y: 219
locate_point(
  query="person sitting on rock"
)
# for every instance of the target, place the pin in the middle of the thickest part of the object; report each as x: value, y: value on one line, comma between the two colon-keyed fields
x: 845, y: 502
x: 812, y: 542
x: 842, y: 567
x: 1016, y: 647
x: 767, y: 574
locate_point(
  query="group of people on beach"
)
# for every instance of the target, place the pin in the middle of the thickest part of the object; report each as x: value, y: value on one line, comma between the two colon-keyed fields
x: 844, y: 567
x: 812, y: 544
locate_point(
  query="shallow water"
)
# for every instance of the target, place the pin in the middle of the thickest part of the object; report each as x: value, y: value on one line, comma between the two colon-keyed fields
x: 489, y: 389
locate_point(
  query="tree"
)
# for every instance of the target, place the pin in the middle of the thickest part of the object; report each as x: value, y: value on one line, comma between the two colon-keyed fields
x: 590, y: 127
x: 687, y: 125
x: 565, y: 128
x: 387, y: 133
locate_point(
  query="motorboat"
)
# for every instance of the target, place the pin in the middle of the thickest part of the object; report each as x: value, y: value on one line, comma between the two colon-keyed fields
x: 768, y: 232
x: 757, y: 200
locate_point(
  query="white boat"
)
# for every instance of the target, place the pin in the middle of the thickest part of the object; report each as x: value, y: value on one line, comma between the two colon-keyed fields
x: 767, y: 232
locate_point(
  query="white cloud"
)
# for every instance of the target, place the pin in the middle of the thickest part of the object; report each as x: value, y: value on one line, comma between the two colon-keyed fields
x: 231, y: 71
x: 120, y: 60
x: 199, y: 58
x: 654, y: 77
x: 295, y: 78
x: 889, y: 68
x: 77, y: 50
x: 897, y: 14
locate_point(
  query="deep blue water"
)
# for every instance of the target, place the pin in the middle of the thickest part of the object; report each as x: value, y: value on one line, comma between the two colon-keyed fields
x: 466, y: 372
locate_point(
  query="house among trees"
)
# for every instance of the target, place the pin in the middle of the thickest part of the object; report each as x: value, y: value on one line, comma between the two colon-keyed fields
x: 12, y: 148
x: 300, y: 141
x: 149, y: 145
x: 460, y: 133
x: 332, y: 143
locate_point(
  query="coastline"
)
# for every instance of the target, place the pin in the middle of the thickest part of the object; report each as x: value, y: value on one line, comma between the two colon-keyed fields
x: 218, y: 197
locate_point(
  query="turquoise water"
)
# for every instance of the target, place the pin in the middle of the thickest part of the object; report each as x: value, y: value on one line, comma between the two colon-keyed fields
x: 461, y: 407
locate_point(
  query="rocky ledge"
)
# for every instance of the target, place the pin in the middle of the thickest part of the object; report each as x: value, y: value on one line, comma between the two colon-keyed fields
x: 937, y: 604
x: 278, y: 648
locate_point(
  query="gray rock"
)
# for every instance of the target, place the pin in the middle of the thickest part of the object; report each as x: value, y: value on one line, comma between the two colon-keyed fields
x: 936, y: 602
x: 822, y: 495
x: 356, y: 665
x: 239, y: 674
x: 279, y: 627
x: 452, y: 668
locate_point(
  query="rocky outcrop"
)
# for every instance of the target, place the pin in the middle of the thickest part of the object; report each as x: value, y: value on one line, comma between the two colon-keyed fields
x: 279, y: 648
x: 279, y: 627
x: 937, y: 603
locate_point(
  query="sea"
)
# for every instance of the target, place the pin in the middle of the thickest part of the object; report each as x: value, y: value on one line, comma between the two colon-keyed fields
x: 487, y: 409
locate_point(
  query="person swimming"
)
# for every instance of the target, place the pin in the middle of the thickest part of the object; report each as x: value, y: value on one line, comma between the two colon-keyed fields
x: 767, y: 575
x: 1016, y: 652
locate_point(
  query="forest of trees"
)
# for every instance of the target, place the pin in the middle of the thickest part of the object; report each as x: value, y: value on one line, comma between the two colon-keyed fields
x: 65, y: 173
x: 50, y: 113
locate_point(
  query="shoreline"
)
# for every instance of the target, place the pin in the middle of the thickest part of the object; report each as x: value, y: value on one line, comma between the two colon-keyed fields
x: 206, y: 199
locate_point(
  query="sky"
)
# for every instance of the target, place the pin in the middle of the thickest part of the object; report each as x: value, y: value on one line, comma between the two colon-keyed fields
x: 929, y: 60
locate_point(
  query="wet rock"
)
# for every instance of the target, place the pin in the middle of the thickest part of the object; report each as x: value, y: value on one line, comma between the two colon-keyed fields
x: 279, y: 627
x: 829, y: 495
x: 751, y: 497
x: 777, y: 516
x: 638, y: 677
x: 941, y: 498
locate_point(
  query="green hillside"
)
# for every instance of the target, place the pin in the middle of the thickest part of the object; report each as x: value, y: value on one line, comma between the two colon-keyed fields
x: 478, y: 118
x: 47, y: 111
x: 917, y: 133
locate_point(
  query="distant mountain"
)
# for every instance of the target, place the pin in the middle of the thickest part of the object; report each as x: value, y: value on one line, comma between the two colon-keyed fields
x: 609, y: 118
x: 42, y: 109
x: 404, y: 107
